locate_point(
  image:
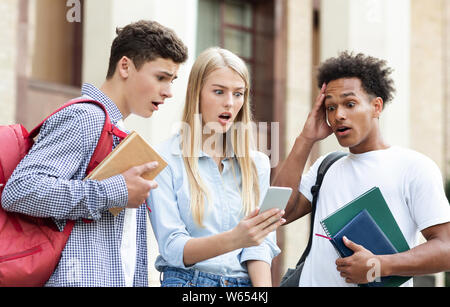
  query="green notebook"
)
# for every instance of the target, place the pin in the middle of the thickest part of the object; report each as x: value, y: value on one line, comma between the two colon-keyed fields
x: 373, y: 201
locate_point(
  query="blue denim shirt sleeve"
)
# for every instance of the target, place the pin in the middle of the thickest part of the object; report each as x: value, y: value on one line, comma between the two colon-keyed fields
x: 267, y: 250
x: 168, y: 227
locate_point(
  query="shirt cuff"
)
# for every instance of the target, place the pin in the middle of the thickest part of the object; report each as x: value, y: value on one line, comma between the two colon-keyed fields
x: 261, y: 252
x: 175, y: 255
x: 116, y: 192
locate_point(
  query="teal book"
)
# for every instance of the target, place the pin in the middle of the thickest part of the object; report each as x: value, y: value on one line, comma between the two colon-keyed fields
x: 375, y: 204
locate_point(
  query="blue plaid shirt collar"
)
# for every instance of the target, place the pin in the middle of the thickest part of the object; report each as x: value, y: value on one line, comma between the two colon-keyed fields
x: 93, y: 92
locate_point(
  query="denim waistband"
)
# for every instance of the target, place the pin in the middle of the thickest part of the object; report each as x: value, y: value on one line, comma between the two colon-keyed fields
x: 196, y: 278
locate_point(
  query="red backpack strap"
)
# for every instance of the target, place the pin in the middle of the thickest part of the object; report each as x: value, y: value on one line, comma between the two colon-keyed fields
x: 104, y: 145
x: 36, y: 130
x: 105, y: 142
x: 119, y: 133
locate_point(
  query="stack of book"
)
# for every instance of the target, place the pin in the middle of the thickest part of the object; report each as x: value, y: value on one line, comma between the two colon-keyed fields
x: 367, y: 221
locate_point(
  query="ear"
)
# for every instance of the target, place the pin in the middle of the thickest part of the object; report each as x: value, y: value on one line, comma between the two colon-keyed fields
x: 377, y: 104
x: 123, y: 67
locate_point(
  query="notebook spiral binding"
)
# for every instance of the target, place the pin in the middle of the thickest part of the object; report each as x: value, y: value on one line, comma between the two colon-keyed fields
x: 325, y: 229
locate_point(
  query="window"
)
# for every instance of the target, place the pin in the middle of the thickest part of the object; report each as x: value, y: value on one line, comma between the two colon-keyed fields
x: 228, y: 24
x: 246, y: 28
x: 56, y: 44
x: 51, y: 47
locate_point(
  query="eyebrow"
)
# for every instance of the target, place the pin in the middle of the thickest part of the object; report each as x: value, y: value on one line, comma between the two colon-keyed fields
x: 221, y: 86
x: 168, y: 74
x: 344, y: 95
x: 347, y: 94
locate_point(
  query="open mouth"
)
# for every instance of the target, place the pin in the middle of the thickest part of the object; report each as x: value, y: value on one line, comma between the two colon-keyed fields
x: 224, y: 118
x: 156, y: 105
x: 342, y: 130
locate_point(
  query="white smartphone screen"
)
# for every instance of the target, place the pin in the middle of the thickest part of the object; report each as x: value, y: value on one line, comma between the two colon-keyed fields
x: 276, y: 197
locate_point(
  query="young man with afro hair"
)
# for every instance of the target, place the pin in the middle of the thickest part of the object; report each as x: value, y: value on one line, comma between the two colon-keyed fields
x: 354, y: 91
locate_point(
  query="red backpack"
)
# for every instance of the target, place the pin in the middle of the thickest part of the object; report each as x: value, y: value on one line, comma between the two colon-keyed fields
x: 30, y: 247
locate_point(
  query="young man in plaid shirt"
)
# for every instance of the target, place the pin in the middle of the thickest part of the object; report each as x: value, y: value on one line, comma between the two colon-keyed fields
x: 109, y: 251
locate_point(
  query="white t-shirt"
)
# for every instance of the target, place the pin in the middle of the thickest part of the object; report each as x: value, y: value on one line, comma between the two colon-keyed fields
x: 128, y: 248
x: 410, y: 182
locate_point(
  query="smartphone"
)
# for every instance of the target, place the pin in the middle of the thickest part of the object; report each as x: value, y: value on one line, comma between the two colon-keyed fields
x: 276, y: 197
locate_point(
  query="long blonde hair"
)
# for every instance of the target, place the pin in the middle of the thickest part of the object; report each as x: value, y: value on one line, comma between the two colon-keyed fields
x: 241, y: 136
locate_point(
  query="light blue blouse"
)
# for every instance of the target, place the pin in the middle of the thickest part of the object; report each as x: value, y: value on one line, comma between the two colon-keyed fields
x: 172, y: 221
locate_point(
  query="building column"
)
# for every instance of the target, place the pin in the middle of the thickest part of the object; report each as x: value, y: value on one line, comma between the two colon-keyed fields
x: 9, y: 10
x: 428, y: 84
x: 380, y: 28
x: 447, y: 86
x: 298, y: 104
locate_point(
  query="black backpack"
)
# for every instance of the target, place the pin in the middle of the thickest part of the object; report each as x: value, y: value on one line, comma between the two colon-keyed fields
x: 292, y: 276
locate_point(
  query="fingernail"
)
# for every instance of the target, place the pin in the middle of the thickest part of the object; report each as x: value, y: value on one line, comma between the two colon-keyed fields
x: 283, y: 221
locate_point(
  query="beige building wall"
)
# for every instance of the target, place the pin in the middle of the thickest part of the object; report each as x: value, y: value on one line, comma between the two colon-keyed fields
x: 446, y: 12
x: 298, y: 105
x: 428, y: 87
x: 8, y: 59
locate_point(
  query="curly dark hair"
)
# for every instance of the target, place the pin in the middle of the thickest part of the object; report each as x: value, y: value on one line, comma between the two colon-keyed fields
x: 145, y: 41
x: 373, y: 73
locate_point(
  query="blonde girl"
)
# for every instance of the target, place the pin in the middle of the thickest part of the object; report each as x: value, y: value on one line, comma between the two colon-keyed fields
x: 205, y: 212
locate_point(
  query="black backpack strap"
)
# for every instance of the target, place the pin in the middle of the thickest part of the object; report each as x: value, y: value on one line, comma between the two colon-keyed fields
x: 323, y: 168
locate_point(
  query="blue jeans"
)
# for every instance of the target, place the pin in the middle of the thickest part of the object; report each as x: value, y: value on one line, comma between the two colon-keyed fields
x: 175, y: 277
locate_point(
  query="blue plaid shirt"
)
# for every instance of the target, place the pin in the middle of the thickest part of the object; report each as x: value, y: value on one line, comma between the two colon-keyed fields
x: 48, y: 182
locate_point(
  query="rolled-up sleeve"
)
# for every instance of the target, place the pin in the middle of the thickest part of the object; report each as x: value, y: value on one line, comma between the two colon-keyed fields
x: 168, y: 227
x: 266, y: 251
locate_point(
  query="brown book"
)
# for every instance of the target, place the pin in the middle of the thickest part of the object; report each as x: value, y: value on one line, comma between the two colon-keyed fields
x: 132, y: 151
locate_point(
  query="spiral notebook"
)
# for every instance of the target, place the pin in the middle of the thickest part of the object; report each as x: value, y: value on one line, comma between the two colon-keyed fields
x: 374, y: 203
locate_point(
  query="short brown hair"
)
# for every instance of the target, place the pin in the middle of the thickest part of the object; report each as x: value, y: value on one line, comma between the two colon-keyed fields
x: 145, y: 41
